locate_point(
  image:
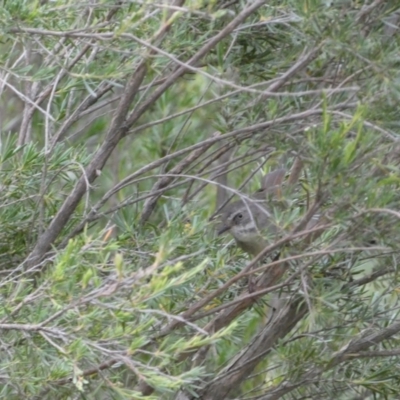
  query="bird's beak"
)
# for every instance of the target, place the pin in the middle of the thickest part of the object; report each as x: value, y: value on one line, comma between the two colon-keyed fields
x: 222, y: 230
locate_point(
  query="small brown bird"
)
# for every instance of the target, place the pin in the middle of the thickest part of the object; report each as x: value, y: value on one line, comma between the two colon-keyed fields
x: 249, y: 221
x: 246, y: 221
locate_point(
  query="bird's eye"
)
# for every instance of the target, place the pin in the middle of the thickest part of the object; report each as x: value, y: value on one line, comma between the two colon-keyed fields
x: 239, y: 216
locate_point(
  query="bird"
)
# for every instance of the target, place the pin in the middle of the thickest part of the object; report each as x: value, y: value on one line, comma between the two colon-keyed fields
x: 248, y: 220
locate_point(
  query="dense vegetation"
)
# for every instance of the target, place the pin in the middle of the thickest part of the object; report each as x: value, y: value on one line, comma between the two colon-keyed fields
x: 126, y: 126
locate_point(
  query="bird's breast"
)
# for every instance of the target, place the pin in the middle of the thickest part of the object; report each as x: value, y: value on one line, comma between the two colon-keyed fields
x: 252, y: 246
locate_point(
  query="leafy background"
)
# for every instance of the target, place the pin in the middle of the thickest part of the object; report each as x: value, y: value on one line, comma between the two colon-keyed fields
x: 123, y: 124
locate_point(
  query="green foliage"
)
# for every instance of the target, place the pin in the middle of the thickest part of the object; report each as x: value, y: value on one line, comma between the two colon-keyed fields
x: 113, y: 282
x: 34, y: 186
